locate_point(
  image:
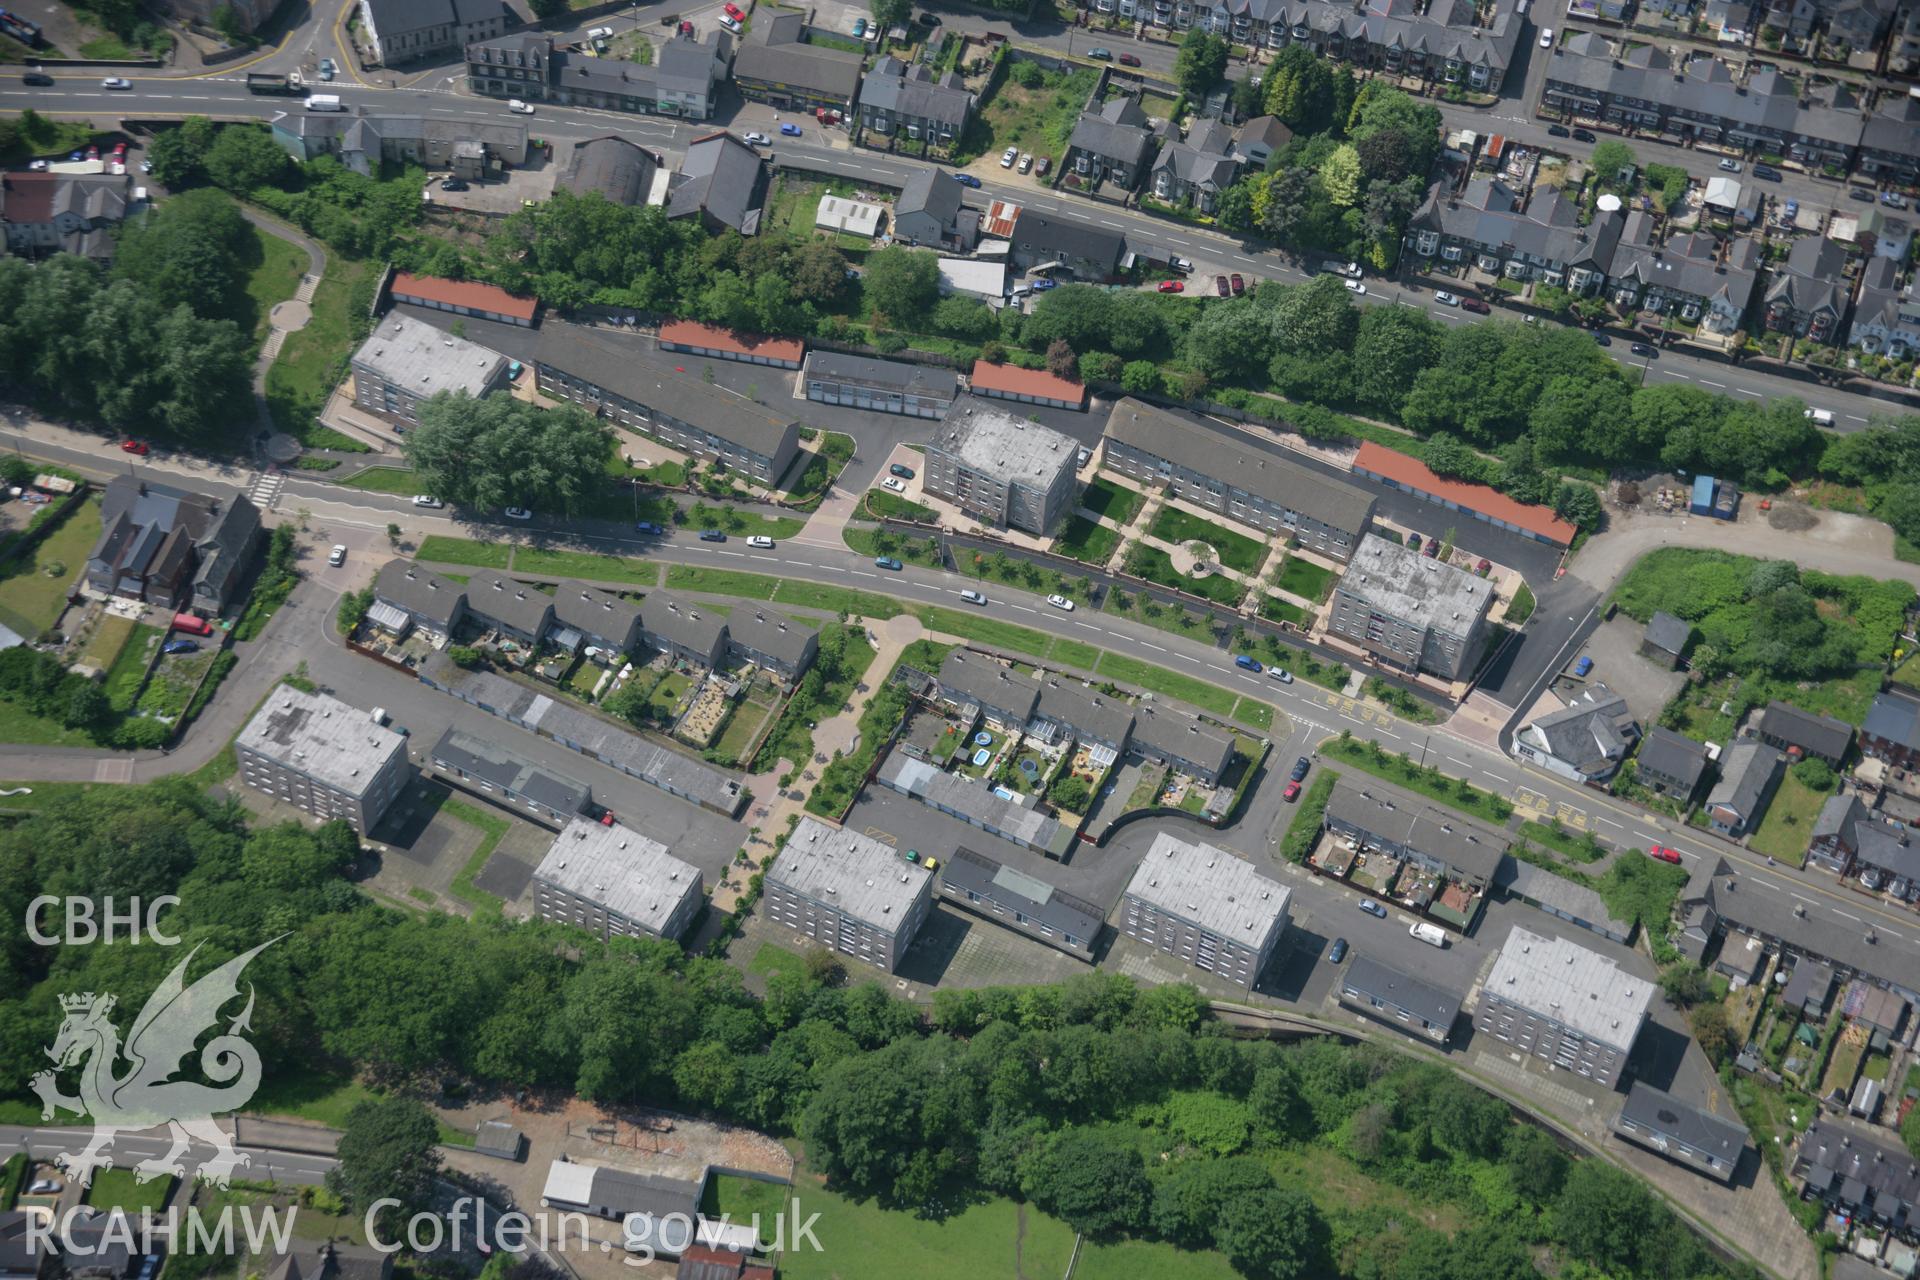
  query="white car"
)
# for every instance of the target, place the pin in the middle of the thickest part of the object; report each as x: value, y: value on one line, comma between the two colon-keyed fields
x: 44, y: 1187
x: 898, y: 486
x: 600, y: 33
x: 427, y: 500
x: 760, y: 541
x: 1546, y: 37
x: 1348, y: 269
x: 1281, y: 674
x: 1060, y: 602
x: 1446, y: 299
x: 1730, y: 166
x: 519, y: 513
x: 1026, y: 163
x: 116, y: 82
x: 38, y: 166
x: 338, y: 556
x: 1008, y: 156
x: 519, y: 108
x: 973, y: 597
x: 1354, y: 286
x: 730, y: 22
x: 759, y: 140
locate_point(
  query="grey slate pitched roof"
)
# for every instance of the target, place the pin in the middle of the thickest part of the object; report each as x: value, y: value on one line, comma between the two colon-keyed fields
x: 1811, y: 277
x: 684, y: 622
x: 775, y: 53
x: 911, y: 379
x: 1654, y: 1114
x: 1267, y: 131
x: 621, y: 171
x: 592, y: 612
x: 686, y: 65
x: 1488, y: 215
x: 1875, y: 842
x: 1205, y: 159
x: 510, y: 602
x: 1117, y: 132
x: 1039, y: 234
x: 1686, y: 264
x: 1034, y: 898
x: 930, y: 191
x: 976, y: 678
x: 1746, y: 770
x: 1161, y: 728
x: 1595, y: 728
x: 1383, y: 810
x: 915, y: 93
x: 1672, y: 756
x: 759, y: 628
x: 1894, y: 717
x: 403, y: 583
x: 1065, y: 700
x: 1669, y: 633
x: 1819, y: 735
x: 722, y: 177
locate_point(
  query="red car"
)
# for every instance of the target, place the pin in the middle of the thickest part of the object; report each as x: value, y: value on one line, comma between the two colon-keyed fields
x: 1476, y: 306
x: 734, y: 12
x: 119, y: 151
x: 1221, y: 287
x: 686, y: 28
x: 133, y: 446
x: 1129, y: 60
x: 1292, y: 792
x: 606, y: 817
x: 93, y: 153
x: 1172, y: 286
x: 1239, y: 285
x: 1665, y: 854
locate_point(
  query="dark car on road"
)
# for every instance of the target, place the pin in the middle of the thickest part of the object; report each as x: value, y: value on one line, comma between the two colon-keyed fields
x: 888, y: 562
x: 966, y: 180
x: 1766, y: 171
x: 1300, y: 768
x: 648, y: 526
x: 1642, y: 349
x: 1245, y: 663
x: 1559, y: 131
x: 1337, y: 952
x: 1584, y: 135
x: 712, y: 535
x: 1475, y: 305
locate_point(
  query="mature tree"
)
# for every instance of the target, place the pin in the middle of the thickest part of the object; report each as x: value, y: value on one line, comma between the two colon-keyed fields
x: 902, y: 285
x: 1236, y: 205
x: 1089, y: 1179
x: 1609, y: 158
x: 1577, y: 503
x: 245, y: 158
x: 1378, y: 109
x: 1467, y: 1119
x: 1061, y: 360
x: 819, y: 272
x: 1391, y: 346
x: 1899, y: 506
x: 1272, y: 1234
x: 388, y: 1150
x: 1248, y: 98
x: 1385, y: 156
x: 1201, y: 63
x: 1231, y: 341
x: 1305, y: 92
x: 966, y: 318
x: 1580, y: 417
x: 891, y: 13
x: 179, y: 155
x: 886, y: 1122
x: 190, y: 250
x: 1140, y: 377
x: 1316, y: 319
x: 1603, y: 1215
x: 497, y: 451
x: 1099, y: 366
x: 1538, y: 1165
x: 1685, y: 984
x: 1340, y: 176
x: 1187, y: 1203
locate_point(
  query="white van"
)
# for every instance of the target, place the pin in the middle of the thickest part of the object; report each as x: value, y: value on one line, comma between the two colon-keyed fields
x: 600, y: 33
x: 1821, y: 417
x: 325, y: 102
x: 1431, y: 934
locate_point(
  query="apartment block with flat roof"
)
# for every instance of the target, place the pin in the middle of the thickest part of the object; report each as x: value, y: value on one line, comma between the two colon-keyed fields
x: 615, y: 883
x: 999, y: 468
x: 406, y: 362
x: 1201, y: 904
x: 323, y: 756
x: 1410, y: 611
x: 848, y: 892
x: 1564, y: 1004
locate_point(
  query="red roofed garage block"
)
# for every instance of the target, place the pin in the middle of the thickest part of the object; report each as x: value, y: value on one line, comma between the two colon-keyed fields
x: 1398, y: 471
x: 464, y: 298
x: 699, y: 339
x: 1028, y: 386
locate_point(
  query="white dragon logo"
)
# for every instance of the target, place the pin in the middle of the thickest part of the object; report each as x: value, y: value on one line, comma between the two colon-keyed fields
x: 147, y: 1096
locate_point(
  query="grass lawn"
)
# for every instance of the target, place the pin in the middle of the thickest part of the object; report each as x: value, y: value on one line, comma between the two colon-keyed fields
x: 862, y: 1239
x: 314, y: 1096
x: 1275, y: 610
x: 399, y: 480
x: 831, y: 453
x: 313, y: 359
x: 45, y: 137
x: 705, y: 516
x: 1788, y: 823
x: 1130, y: 1259
x: 883, y: 505
x: 438, y: 548
x: 1429, y: 782
x: 1116, y: 502
x: 1141, y: 607
x: 727, y: 582
x: 1082, y: 539
x: 1188, y: 689
x: 1305, y: 579
x: 585, y: 564
x: 1036, y: 120
x: 1027, y: 575
x: 666, y: 695
x: 1155, y: 565
x: 109, y: 638
x: 32, y: 597
x: 742, y: 728
x: 1237, y: 550
x: 1071, y: 653
x: 492, y: 828
x: 1257, y: 714
x: 877, y: 542
x: 770, y: 960
x: 117, y: 1189
x: 273, y: 278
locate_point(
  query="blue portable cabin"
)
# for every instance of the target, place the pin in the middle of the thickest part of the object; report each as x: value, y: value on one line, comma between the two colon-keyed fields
x: 1702, y: 504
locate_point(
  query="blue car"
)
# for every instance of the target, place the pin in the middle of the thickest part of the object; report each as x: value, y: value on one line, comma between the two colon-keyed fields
x: 888, y: 562
x: 1373, y: 908
x: 1583, y: 666
x: 648, y: 526
x: 1045, y: 283
x: 1245, y: 663
x: 712, y: 535
x: 1338, y: 951
x: 790, y: 130
x: 180, y: 646
x: 966, y: 180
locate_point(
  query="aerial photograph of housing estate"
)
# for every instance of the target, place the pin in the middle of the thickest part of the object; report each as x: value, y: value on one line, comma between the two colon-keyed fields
x: 960, y: 639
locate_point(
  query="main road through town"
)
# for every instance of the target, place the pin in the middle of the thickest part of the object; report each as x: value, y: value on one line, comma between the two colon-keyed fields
x: 224, y: 96
x: 833, y: 563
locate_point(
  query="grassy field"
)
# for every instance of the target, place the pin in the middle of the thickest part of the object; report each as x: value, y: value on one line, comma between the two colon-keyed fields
x: 42, y: 137
x: 1082, y: 539
x: 744, y: 523
x: 1428, y: 782
x: 726, y: 582
x: 831, y: 452
x: 1155, y: 565
x: 875, y: 542
x: 32, y: 595
x: 1189, y: 689
x: 492, y: 828
x: 992, y: 1238
x: 1236, y: 550
x: 441, y: 549
x: 1275, y: 610
x: 273, y: 278
x: 314, y: 358
x: 108, y: 639
x: 1257, y: 714
x: 1305, y: 579
x: 315, y: 1097
x: 585, y: 564
x: 1141, y: 607
x: 118, y: 1189
x: 1036, y: 120
x: 769, y: 960
x: 400, y: 480
x: 1788, y: 822
x: 1105, y: 498
x: 882, y: 505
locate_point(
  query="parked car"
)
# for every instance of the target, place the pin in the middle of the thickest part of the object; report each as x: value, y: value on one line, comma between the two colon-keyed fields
x: 1221, y: 287
x: 760, y: 542
x: 93, y: 153
x: 1432, y: 550
x: 1351, y: 270
x: 972, y: 597
x: 1583, y: 666
x: 1772, y: 174
x: 648, y: 527
x: 929, y: 19
x: 1602, y: 340
x: 734, y: 11
x: 712, y: 535
x: 902, y: 470
x: 46, y: 1187
x: 1129, y: 60
x: 967, y: 180
x: 1045, y: 283
x: 606, y: 33
x: 1891, y: 199
x: 116, y: 82
x: 1046, y: 163
x: 518, y: 107
x: 859, y: 28
x: 888, y: 562
x: 1173, y: 286
x: 758, y: 139
x: 1060, y: 602
x: 1446, y: 299
x: 1559, y: 131
x: 180, y: 646
x: 337, y: 556
x: 1008, y: 157
x: 730, y: 23
x: 133, y: 446
x: 453, y: 184
x: 1484, y: 568
x: 685, y: 29
x: 427, y: 500
x: 788, y: 129
x: 1291, y: 793
x: 1337, y: 952
x: 1245, y: 663
x: 1546, y: 37
x: 37, y: 79
x: 1730, y: 166
x: 1860, y: 194
x: 1281, y: 674
x: 1791, y: 211
x: 893, y: 484
x: 1476, y: 306
x: 1585, y: 135
x: 1300, y: 768
x: 1026, y: 162
x: 120, y: 152
x: 1355, y: 287
x: 1665, y: 854
x: 41, y: 166
x: 1100, y: 54
x: 1373, y: 908
x: 519, y: 513
x: 1239, y: 285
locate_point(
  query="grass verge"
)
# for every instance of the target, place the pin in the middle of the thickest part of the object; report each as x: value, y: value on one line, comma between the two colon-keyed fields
x: 492, y: 829
x: 1455, y: 793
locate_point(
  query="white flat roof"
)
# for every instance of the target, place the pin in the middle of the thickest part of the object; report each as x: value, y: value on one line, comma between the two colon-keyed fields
x: 627, y: 873
x: 1207, y: 885
x: 969, y: 275
x: 1575, y: 987
x: 861, y: 877
x: 568, y: 1183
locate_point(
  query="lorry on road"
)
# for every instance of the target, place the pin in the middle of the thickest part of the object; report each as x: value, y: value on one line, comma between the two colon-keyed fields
x: 266, y: 82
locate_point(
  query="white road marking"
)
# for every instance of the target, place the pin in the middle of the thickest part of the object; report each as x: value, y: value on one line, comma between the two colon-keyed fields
x: 1024, y: 609
x: 1088, y: 625
x: 1744, y: 392
x: 1707, y: 383
x: 1854, y: 417
x: 1846, y: 915
x: 738, y: 555
x: 1156, y: 648
x: 1610, y: 822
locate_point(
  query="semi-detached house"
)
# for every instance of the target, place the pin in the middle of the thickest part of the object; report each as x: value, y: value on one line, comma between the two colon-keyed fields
x: 1693, y: 276
x: 897, y: 100
x: 1886, y: 320
x: 1543, y: 241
